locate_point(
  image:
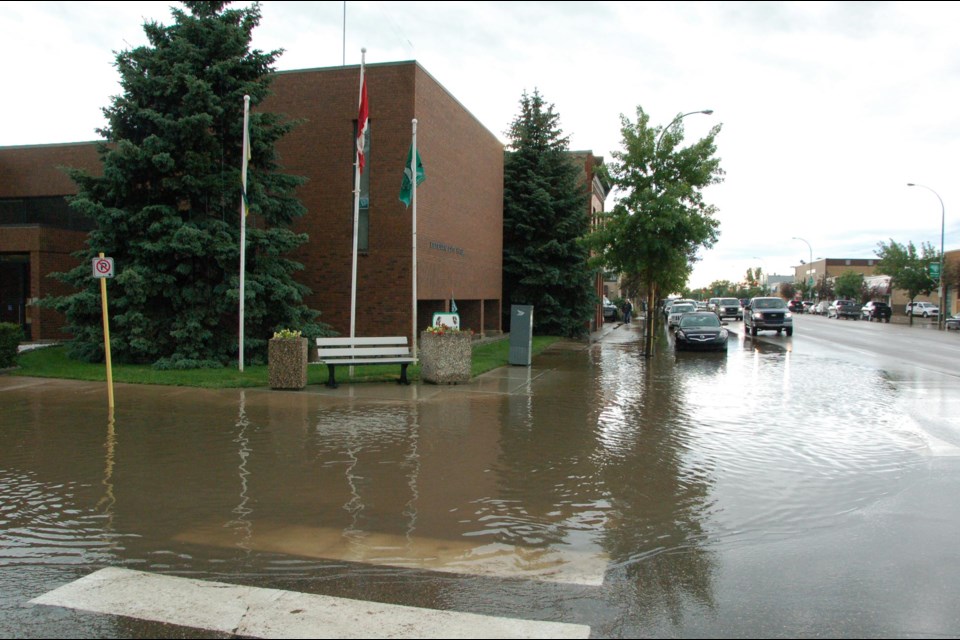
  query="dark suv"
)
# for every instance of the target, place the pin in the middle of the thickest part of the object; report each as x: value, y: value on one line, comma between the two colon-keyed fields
x: 767, y: 314
x: 728, y: 308
x: 795, y: 306
x: 879, y: 311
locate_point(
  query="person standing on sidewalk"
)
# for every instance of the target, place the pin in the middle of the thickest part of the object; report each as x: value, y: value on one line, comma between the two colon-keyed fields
x: 627, y: 311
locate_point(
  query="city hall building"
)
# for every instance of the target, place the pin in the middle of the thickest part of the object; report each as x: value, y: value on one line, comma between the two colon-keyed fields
x: 459, y: 206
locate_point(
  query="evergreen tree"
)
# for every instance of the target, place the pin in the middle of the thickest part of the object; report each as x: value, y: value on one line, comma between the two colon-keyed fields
x: 166, y: 206
x: 545, y: 218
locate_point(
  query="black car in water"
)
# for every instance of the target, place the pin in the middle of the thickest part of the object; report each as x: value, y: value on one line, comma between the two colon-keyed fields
x: 700, y: 330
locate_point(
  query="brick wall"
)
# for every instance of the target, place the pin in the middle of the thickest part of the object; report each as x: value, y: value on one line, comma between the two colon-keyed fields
x: 460, y: 205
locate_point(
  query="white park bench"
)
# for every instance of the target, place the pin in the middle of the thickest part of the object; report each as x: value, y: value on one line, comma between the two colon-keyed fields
x: 335, y: 352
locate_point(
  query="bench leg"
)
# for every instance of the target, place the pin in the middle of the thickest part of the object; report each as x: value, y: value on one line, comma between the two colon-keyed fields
x: 403, y: 375
x: 331, y: 376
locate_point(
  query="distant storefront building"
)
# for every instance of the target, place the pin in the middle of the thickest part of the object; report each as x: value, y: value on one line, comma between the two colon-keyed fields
x: 459, y: 206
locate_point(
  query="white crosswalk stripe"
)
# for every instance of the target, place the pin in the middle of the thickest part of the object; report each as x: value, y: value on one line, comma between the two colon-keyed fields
x: 272, y: 613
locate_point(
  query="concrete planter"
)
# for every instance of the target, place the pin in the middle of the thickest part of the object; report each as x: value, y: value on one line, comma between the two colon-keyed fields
x: 287, y: 363
x: 447, y: 358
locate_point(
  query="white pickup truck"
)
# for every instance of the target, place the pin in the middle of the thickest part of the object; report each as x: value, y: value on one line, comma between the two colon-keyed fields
x: 925, y: 309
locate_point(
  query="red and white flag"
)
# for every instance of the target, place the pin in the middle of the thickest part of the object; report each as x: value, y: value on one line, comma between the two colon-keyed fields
x: 363, y: 122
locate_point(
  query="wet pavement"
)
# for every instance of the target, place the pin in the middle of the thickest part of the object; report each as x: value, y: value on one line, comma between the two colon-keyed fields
x: 766, y: 492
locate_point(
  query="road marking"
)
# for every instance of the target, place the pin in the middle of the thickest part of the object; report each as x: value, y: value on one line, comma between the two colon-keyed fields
x: 271, y: 613
x: 460, y: 556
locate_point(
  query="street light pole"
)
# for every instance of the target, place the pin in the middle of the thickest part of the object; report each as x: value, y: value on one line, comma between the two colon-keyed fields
x: 809, y: 267
x: 651, y: 298
x: 656, y: 147
x: 942, y: 292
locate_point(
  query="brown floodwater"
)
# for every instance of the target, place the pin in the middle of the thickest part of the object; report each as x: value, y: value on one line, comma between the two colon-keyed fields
x: 641, y: 496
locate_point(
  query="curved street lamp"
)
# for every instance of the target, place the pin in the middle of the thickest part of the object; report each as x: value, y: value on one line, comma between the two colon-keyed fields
x: 943, y: 218
x: 809, y: 268
x: 656, y: 147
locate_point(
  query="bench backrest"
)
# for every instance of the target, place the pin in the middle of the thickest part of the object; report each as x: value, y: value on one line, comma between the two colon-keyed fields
x: 347, y: 348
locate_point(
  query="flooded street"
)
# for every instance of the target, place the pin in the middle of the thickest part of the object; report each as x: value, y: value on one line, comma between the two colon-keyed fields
x: 772, y: 491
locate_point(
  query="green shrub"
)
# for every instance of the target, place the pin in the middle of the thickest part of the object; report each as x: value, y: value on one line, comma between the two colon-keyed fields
x: 10, y: 336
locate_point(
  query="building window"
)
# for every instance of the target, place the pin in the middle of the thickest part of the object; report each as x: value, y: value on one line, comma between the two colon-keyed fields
x: 43, y: 211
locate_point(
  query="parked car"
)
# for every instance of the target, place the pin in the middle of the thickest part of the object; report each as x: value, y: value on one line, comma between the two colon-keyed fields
x: 796, y: 306
x: 678, y: 309
x: 808, y: 306
x: 925, y: 309
x: 822, y: 308
x: 953, y: 323
x: 700, y: 330
x: 729, y: 308
x: 609, y: 310
x: 767, y: 314
x: 876, y: 310
x: 845, y: 309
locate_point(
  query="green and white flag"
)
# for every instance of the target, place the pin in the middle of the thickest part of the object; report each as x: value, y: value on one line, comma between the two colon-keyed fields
x: 406, y: 189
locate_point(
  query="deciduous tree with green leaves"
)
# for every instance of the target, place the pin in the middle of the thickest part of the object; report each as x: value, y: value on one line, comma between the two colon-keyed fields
x: 850, y: 285
x: 907, y: 268
x: 167, y: 205
x: 661, y: 219
x: 545, y: 219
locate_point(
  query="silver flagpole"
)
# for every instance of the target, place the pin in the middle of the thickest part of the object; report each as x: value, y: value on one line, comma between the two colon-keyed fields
x: 356, y: 213
x: 243, y: 214
x: 413, y: 174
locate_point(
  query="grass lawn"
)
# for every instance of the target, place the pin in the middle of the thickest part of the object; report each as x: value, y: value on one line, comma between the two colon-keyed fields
x: 52, y: 362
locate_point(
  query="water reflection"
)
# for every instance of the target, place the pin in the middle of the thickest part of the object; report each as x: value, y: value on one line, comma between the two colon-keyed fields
x: 635, y: 477
x: 659, y: 498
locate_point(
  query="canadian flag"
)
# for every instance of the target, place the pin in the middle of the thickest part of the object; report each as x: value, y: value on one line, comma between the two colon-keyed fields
x: 363, y: 122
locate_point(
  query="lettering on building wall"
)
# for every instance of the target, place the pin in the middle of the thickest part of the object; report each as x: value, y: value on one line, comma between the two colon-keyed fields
x: 440, y: 246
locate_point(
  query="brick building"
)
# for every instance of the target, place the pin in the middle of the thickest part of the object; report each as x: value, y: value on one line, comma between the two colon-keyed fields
x: 830, y: 268
x: 459, y: 205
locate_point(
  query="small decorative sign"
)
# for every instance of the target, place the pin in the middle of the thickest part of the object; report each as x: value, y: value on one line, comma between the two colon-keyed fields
x: 448, y: 320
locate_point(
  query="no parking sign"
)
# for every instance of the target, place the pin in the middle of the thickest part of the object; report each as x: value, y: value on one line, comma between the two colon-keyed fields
x: 102, y: 267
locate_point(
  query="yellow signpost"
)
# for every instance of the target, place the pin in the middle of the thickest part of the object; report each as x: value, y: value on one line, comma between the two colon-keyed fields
x: 103, y: 269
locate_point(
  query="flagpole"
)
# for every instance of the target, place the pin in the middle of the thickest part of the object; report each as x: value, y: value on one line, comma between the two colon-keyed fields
x: 413, y: 173
x: 243, y: 214
x: 356, y: 207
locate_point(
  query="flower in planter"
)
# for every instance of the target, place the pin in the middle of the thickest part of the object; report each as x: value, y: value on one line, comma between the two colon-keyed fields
x: 442, y: 330
x: 286, y: 334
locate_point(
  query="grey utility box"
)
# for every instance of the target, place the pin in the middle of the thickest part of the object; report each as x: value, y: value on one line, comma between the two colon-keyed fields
x: 521, y: 334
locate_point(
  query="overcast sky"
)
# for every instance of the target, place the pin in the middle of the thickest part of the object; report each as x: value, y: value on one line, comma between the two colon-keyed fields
x: 828, y: 109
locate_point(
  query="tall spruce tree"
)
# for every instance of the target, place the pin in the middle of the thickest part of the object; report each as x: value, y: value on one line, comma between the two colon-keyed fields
x: 166, y: 206
x: 545, y: 217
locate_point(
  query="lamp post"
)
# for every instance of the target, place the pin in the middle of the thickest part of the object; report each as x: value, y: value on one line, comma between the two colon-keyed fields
x: 651, y: 298
x: 943, y: 217
x: 809, y: 267
x: 705, y: 112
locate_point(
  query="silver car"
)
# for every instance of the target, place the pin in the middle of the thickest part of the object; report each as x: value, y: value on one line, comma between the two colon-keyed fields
x: 677, y: 310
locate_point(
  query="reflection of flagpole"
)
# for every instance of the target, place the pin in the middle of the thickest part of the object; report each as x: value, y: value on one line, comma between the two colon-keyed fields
x: 243, y: 213
x: 242, y: 511
x: 356, y: 196
x: 413, y: 179
x: 413, y: 459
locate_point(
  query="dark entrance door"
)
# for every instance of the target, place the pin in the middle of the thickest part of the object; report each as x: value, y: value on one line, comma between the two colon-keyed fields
x: 15, y: 289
